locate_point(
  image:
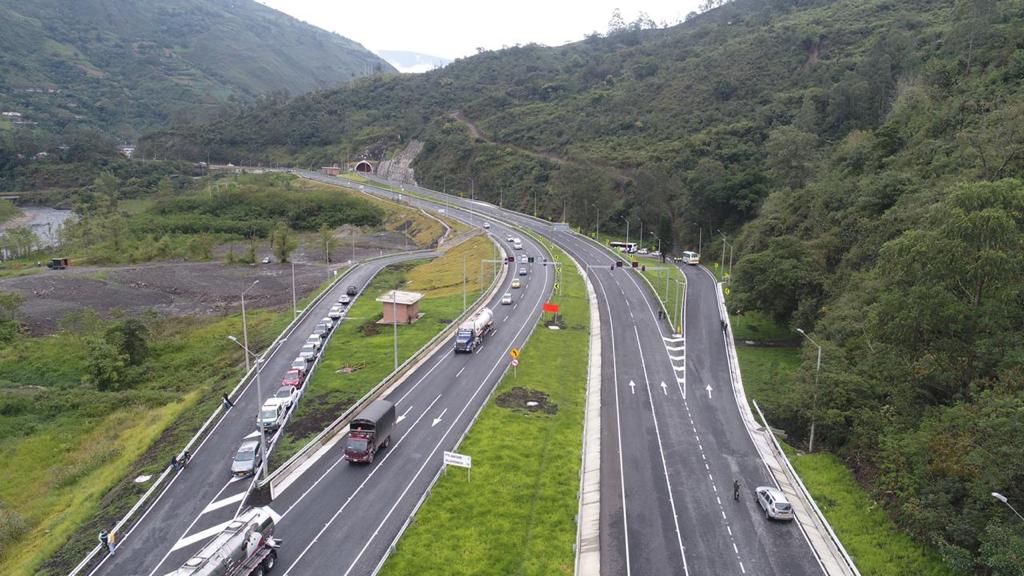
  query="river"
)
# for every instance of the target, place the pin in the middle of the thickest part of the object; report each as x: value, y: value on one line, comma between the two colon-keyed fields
x: 45, y: 222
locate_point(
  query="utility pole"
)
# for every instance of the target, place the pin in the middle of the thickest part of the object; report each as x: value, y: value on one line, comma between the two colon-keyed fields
x: 463, y: 282
x: 394, y: 322
x: 814, y: 400
x: 295, y: 307
x: 245, y: 327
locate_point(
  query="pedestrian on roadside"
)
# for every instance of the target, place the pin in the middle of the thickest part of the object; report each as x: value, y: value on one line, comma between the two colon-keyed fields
x: 228, y: 404
x: 106, y: 541
x: 174, y: 463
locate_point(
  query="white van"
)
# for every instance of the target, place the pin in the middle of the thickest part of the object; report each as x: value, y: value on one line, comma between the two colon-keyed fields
x: 517, y: 244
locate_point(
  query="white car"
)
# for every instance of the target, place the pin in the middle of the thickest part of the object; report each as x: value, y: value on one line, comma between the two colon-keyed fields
x: 642, y: 251
x: 506, y: 298
x: 329, y: 321
x: 336, y: 312
x: 524, y: 259
x: 656, y: 253
x: 509, y: 238
x: 487, y: 224
x: 522, y: 270
x: 517, y: 245
x: 288, y: 395
x: 272, y: 415
x: 266, y: 259
x: 315, y: 340
x: 308, y: 352
x: 345, y: 300
x: 300, y: 364
x: 774, y: 503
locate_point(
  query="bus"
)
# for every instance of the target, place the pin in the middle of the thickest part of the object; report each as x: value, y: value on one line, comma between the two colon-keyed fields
x: 627, y: 247
x: 691, y: 258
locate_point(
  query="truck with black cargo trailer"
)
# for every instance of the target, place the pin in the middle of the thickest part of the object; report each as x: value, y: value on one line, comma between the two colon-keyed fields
x: 370, y: 431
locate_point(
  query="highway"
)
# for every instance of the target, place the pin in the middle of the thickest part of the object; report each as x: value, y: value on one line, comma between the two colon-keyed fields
x: 201, y: 498
x: 672, y: 438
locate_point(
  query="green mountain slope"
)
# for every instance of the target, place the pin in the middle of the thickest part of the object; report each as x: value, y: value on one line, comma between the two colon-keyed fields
x: 126, y: 66
x: 867, y: 157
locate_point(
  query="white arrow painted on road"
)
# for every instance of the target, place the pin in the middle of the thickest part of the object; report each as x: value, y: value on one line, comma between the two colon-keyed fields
x: 709, y: 390
x: 664, y: 388
x: 438, y: 419
x: 632, y: 386
x: 404, y: 414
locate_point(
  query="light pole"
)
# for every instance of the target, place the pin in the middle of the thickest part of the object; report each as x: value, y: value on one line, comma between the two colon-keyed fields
x: 814, y: 397
x: 259, y: 406
x: 245, y: 327
x: 641, y: 233
x: 394, y: 322
x: 1006, y: 501
x: 700, y: 237
x: 597, y: 221
x: 295, y: 307
x: 627, y: 233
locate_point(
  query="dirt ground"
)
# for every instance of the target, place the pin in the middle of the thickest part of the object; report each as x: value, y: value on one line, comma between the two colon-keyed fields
x: 526, y: 399
x: 181, y: 288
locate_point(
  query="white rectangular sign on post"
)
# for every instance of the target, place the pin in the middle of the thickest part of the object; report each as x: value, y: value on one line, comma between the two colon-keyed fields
x: 458, y: 460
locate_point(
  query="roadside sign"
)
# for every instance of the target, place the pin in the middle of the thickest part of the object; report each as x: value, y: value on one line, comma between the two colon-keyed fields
x: 515, y: 362
x: 461, y: 460
x: 455, y: 459
x: 514, y: 353
x: 549, y: 307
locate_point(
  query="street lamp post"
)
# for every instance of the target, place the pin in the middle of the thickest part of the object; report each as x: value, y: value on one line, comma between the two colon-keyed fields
x: 245, y: 327
x: 641, y: 233
x: 259, y: 406
x: 814, y: 397
x: 1006, y: 501
x: 627, y: 233
x: 597, y: 221
x: 295, y: 307
x: 394, y: 322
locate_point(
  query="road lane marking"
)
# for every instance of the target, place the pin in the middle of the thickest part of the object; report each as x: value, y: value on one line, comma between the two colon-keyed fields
x: 438, y: 419
x: 618, y: 424
x: 189, y: 527
x: 199, y: 536
x: 661, y: 452
x: 222, y: 503
x: 459, y: 373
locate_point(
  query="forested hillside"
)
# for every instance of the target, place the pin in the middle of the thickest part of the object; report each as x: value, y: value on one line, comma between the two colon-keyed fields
x: 869, y: 155
x: 126, y: 66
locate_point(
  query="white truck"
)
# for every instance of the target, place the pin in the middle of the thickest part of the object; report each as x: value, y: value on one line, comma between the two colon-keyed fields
x: 246, y: 547
x: 471, y: 332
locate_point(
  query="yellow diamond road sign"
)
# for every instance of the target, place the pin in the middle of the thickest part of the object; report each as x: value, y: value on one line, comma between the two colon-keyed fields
x: 514, y: 353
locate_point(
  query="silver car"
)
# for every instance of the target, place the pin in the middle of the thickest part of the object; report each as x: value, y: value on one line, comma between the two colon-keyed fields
x: 522, y: 271
x: 288, y: 395
x: 506, y: 298
x: 299, y: 364
x: 248, y: 458
x: 308, y: 352
x: 774, y: 503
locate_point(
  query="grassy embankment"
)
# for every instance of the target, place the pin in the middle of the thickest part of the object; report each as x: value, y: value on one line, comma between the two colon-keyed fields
x: 360, y: 353
x: 877, y: 546
x: 517, y: 516
x: 71, y: 449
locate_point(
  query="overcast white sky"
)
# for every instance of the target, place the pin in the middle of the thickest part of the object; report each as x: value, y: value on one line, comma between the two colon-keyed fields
x: 455, y: 29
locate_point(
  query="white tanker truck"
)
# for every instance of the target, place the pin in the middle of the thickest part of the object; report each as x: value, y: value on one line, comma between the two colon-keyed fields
x: 471, y: 332
x: 246, y: 547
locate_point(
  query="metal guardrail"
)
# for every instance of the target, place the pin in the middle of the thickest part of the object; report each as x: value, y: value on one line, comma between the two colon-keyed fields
x: 246, y: 379
x: 339, y: 424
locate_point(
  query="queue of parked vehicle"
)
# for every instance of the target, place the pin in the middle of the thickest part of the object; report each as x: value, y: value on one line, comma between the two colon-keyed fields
x: 275, y: 409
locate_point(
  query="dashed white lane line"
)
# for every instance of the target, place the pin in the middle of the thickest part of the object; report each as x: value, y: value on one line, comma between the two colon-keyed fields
x: 225, y: 502
x: 459, y: 373
x: 199, y: 536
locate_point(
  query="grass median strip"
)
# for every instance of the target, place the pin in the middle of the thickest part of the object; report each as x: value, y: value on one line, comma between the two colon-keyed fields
x: 361, y: 353
x: 517, y: 515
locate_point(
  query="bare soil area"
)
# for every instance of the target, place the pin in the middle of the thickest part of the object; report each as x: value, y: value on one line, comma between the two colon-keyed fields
x: 526, y: 399
x: 181, y: 288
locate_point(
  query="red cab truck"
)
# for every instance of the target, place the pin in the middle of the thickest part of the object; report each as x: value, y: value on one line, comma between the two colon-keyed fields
x: 370, y: 431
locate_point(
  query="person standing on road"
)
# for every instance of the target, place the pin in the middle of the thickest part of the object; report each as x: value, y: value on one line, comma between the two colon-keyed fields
x: 106, y: 541
x: 228, y: 404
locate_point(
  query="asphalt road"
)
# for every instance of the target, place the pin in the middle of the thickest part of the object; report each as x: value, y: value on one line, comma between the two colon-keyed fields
x: 204, y: 496
x: 672, y: 439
